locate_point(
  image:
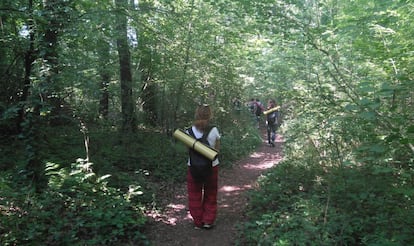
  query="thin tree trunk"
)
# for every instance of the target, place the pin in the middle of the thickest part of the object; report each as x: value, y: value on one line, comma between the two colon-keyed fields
x: 28, y: 65
x: 104, y: 50
x: 186, y: 64
x: 127, y: 102
x: 50, y: 43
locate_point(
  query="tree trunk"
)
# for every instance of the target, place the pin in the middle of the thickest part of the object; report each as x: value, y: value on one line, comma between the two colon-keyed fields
x: 34, y: 138
x: 149, y: 88
x: 127, y: 102
x: 29, y: 58
x: 50, y: 45
x: 186, y: 64
x: 104, y: 50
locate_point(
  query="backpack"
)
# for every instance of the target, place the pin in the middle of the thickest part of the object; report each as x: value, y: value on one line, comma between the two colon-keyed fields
x: 251, y: 107
x: 272, y: 118
x: 200, y: 166
x: 258, y: 109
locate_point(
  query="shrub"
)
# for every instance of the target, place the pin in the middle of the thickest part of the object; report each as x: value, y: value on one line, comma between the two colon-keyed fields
x: 78, y: 208
x: 301, y: 204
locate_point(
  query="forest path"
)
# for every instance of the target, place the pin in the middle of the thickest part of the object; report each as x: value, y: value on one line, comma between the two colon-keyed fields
x: 173, y: 226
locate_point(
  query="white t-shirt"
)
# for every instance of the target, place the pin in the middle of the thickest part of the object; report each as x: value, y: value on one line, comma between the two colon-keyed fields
x: 212, y: 137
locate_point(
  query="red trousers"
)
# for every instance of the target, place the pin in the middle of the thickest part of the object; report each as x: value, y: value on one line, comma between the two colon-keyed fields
x: 202, y: 198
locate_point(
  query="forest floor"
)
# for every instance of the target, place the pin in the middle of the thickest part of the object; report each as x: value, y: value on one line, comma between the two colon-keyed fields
x: 173, y: 224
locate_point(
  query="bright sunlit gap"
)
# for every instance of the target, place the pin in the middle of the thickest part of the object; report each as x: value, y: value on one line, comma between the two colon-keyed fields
x: 257, y: 155
x: 260, y: 166
x: 176, y: 206
x: 229, y: 188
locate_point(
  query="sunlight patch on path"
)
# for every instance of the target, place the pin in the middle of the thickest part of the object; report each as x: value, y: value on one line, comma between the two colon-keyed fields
x: 257, y: 155
x: 261, y: 166
x: 266, y: 160
x: 173, y: 214
x: 228, y: 188
x: 176, y: 206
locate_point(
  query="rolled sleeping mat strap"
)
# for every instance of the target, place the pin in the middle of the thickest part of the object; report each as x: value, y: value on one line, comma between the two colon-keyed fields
x: 271, y: 110
x: 198, y: 146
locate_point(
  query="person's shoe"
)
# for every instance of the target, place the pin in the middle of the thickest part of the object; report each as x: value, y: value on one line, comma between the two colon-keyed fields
x: 272, y: 144
x: 198, y: 227
x: 208, y: 226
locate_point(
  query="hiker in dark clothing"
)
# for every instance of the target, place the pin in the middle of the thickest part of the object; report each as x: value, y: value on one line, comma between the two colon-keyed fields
x: 272, y: 121
x: 258, y: 110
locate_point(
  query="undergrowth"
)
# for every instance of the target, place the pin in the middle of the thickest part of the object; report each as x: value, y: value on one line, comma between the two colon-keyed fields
x: 96, y: 194
x: 78, y: 208
x: 303, y: 204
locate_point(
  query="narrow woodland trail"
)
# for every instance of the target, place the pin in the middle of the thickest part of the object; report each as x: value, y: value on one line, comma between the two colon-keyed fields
x: 173, y: 226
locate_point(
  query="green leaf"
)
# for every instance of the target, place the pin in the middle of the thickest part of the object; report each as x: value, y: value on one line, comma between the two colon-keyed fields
x: 410, y: 129
x: 351, y: 107
x: 368, y: 115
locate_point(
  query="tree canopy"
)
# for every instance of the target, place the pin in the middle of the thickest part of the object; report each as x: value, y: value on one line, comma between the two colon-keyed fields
x: 108, y: 79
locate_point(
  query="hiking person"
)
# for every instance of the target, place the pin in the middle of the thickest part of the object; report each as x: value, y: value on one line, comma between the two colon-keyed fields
x: 272, y: 120
x: 251, y: 105
x: 237, y: 104
x: 258, y: 110
x: 202, y: 194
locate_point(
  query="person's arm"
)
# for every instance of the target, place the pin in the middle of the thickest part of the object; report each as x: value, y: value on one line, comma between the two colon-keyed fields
x: 217, y: 145
x: 277, y: 117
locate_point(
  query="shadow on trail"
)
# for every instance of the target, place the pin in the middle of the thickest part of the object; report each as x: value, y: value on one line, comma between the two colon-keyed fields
x: 173, y: 225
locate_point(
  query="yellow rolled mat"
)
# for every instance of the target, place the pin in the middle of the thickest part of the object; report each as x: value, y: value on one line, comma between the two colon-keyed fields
x: 198, y: 146
x: 271, y: 110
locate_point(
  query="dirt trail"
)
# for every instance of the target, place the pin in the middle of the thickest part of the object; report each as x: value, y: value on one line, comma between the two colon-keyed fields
x: 174, y: 225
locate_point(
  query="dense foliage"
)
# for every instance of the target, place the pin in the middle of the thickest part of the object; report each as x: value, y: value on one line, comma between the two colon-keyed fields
x: 347, y: 177
x: 90, y: 94
x: 92, y: 90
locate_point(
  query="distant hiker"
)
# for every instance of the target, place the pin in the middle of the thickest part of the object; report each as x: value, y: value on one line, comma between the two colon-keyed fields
x: 258, y: 110
x: 237, y: 104
x: 272, y: 121
x: 202, y: 194
x: 251, y: 105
